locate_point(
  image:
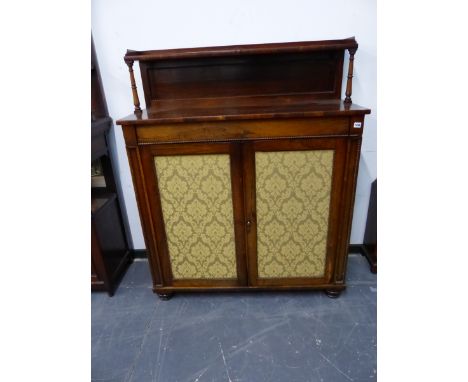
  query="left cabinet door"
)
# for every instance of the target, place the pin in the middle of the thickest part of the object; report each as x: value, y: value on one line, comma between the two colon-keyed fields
x: 195, y: 196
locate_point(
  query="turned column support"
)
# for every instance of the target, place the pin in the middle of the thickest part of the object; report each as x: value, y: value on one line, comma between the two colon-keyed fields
x: 349, y: 83
x: 136, y: 100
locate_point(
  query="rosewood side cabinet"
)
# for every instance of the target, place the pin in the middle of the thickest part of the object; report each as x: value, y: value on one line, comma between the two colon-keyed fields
x: 244, y: 165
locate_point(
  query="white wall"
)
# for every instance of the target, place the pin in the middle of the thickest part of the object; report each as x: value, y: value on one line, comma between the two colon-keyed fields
x: 118, y: 25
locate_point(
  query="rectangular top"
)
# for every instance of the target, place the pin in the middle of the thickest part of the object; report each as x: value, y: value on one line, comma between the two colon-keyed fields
x: 236, y: 50
x: 239, y: 108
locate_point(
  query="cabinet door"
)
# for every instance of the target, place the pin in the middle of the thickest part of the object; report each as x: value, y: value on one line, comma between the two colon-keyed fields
x: 195, y: 197
x: 292, y: 197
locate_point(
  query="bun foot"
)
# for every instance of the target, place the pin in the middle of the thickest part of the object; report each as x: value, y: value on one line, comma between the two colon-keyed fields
x: 165, y: 296
x: 332, y: 293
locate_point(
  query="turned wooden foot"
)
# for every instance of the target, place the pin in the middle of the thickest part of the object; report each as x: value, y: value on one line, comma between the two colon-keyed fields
x: 332, y: 293
x: 165, y: 296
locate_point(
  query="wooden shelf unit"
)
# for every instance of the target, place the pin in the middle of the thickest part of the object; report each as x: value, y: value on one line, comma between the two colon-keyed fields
x: 245, y: 164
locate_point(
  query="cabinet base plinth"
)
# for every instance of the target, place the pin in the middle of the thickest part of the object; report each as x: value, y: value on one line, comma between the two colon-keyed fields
x: 166, y: 292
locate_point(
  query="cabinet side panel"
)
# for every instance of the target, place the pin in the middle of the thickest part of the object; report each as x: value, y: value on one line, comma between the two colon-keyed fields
x: 293, y: 191
x: 349, y: 191
x: 196, y: 201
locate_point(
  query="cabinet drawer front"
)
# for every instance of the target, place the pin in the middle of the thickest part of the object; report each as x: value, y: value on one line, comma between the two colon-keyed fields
x: 241, y: 130
x: 293, y: 199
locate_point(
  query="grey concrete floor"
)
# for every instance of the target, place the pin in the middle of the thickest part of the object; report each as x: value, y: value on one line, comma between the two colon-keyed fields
x: 250, y: 337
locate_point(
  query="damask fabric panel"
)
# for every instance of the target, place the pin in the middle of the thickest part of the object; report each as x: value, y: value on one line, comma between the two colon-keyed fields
x: 293, y: 200
x: 196, y: 200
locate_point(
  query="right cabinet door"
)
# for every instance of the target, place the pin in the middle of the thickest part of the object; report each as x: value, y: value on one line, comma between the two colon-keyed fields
x: 292, y: 207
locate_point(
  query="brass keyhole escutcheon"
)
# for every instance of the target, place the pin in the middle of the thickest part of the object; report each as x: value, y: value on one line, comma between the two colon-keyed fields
x: 248, y: 224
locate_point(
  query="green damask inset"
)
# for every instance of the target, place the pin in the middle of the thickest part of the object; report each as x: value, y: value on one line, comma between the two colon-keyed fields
x: 196, y: 200
x: 292, y: 199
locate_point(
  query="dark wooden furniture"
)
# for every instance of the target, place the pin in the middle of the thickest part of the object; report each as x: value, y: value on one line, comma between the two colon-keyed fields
x: 110, y: 254
x: 244, y: 165
x: 369, y: 246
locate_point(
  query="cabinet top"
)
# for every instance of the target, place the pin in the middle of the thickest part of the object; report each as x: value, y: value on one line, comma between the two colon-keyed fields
x: 239, y: 50
x: 282, y: 80
x: 240, y: 108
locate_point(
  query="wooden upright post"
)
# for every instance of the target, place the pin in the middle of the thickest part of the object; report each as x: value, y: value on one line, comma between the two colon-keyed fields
x: 136, y: 100
x: 349, y: 83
